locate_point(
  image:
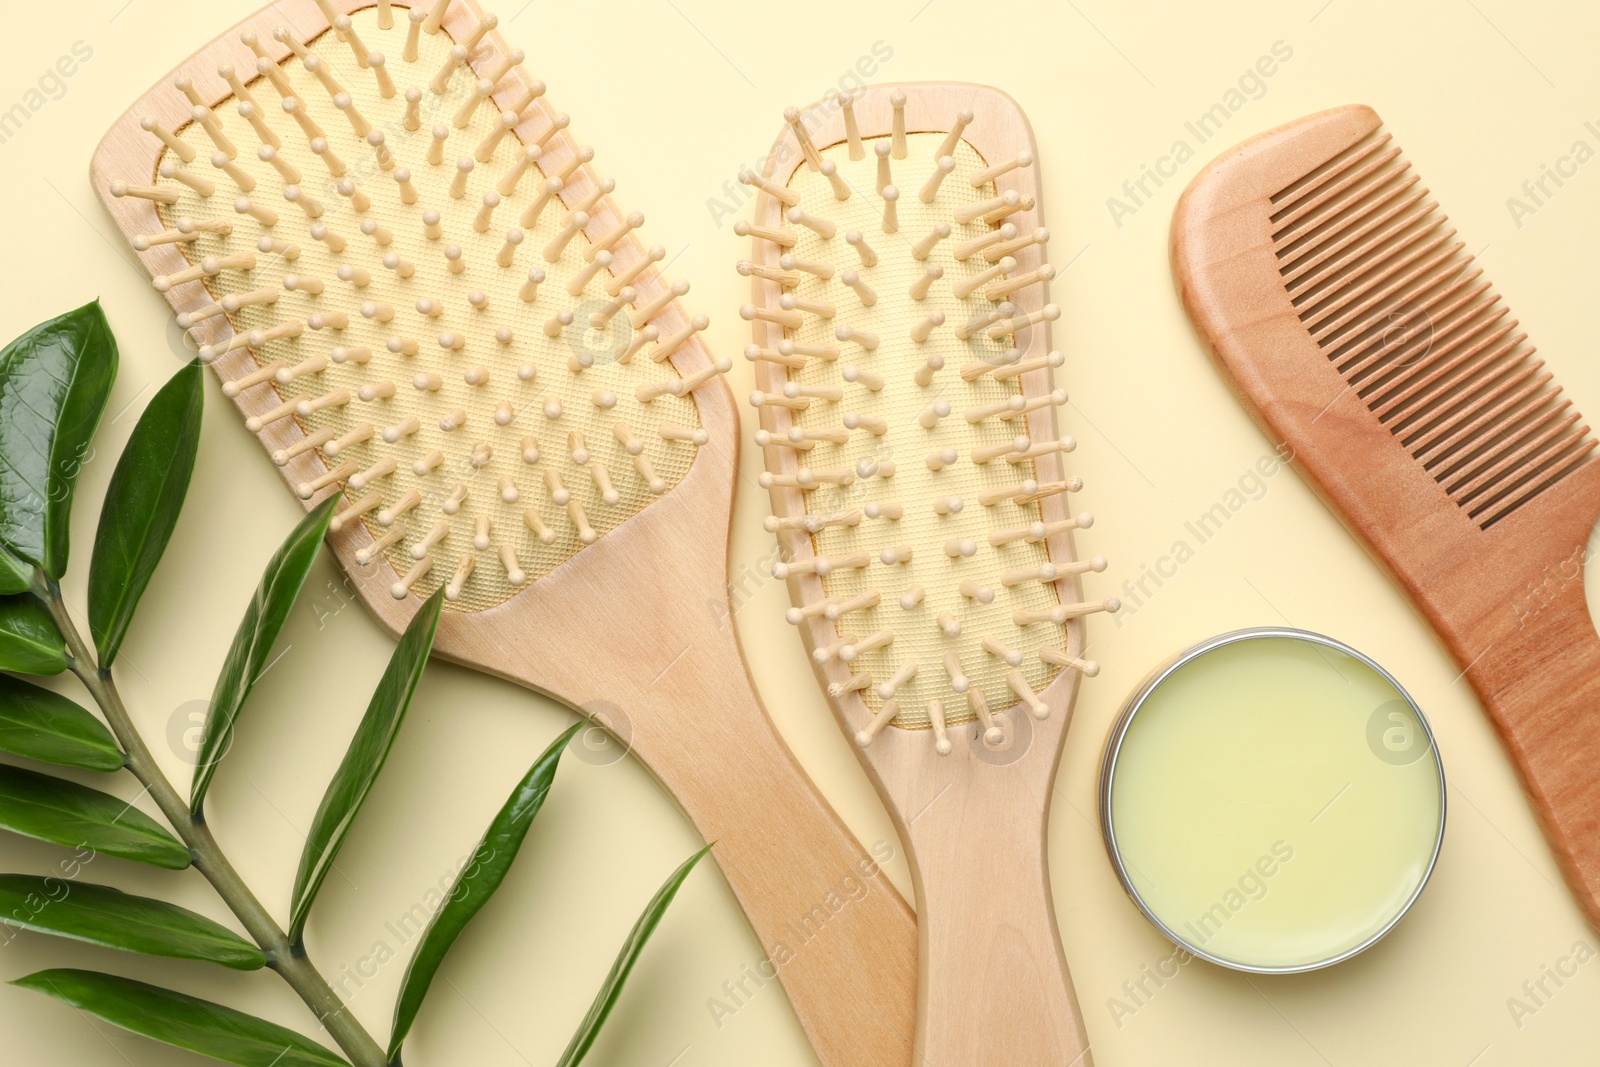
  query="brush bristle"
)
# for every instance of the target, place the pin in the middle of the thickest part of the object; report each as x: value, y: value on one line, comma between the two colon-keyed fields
x: 1385, y: 288
x: 894, y: 446
x: 435, y: 326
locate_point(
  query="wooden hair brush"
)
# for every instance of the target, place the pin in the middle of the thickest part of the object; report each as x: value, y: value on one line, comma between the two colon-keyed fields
x: 902, y: 348
x: 1353, y: 324
x: 406, y: 272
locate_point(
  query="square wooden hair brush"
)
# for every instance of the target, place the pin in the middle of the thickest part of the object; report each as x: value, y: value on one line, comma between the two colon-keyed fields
x: 412, y: 280
x: 901, y: 327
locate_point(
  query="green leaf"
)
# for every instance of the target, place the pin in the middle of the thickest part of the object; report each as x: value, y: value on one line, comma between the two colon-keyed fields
x: 363, y: 760
x: 181, y: 1021
x: 15, y: 575
x: 252, y: 644
x: 490, y: 862
x: 54, y: 383
x: 100, y: 915
x: 46, y: 726
x: 29, y: 640
x: 141, y: 507
x: 611, y: 989
x: 66, y: 813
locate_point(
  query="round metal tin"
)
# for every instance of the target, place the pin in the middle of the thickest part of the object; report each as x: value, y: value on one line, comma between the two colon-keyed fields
x: 1108, y: 770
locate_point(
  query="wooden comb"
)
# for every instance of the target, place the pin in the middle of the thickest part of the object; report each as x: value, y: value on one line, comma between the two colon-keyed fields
x: 1354, y: 326
x: 407, y: 273
x: 902, y: 347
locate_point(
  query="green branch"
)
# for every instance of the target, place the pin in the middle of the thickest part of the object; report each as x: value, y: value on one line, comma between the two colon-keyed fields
x: 290, y: 963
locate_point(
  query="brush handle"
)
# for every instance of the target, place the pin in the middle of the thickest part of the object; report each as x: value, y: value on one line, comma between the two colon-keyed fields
x: 1541, y: 685
x: 842, y: 940
x: 994, y: 988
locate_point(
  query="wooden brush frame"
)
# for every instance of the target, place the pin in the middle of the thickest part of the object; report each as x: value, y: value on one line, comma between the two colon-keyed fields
x: 994, y: 986
x: 624, y: 623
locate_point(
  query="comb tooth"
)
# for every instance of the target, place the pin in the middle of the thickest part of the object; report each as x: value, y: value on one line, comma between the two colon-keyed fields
x: 1366, y: 295
x: 368, y: 553
x: 1495, y: 402
x: 1329, y: 198
x: 1404, y: 399
x: 1388, y: 216
x: 1465, y: 299
x: 1537, y: 434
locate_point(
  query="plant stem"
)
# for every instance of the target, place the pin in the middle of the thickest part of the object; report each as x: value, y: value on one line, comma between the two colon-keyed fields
x: 288, y: 960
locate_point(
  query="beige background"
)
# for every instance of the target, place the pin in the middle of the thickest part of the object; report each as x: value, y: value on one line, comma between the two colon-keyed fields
x: 1481, y: 93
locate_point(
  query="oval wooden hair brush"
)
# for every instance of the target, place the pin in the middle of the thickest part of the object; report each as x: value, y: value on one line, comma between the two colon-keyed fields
x: 902, y: 346
x: 1355, y: 327
x: 405, y: 270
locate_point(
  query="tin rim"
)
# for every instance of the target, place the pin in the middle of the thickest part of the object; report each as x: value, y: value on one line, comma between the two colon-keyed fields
x: 1119, y: 730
